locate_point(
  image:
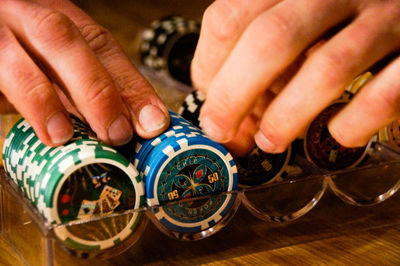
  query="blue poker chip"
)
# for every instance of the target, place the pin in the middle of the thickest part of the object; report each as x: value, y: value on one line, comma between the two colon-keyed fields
x: 149, y: 145
x: 179, y: 121
x: 143, y: 165
x: 189, y: 168
x: 178, y: 127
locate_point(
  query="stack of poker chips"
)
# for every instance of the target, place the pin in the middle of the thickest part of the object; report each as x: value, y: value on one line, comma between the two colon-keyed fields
x: 321, y: 149
x: 169, y: 45
x: 183, y: 164
x: 76, y: 181
x: 391, y: 134
x: 255, y: 168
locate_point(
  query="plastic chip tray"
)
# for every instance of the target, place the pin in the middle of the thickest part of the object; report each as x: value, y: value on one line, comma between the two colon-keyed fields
x: 304, y: 207
x: 307, y: 205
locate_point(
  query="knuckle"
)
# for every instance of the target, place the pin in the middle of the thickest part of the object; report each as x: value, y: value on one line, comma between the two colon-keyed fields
x: 393, y: 14
x: 133, y: 87
x: 281, y: 30
x: 387, y: 11
x: 53, y: 27
x: 222, y: 19
x: 326, y: 71
x: 386, y: 99
x: 223, y: 105
x: 4, y: 37
x: 98, y: 38
x: 282, y: 24
x: 333, y: 66
x: 136, y: 92
x: 34, y: 89
x: 101, y: 90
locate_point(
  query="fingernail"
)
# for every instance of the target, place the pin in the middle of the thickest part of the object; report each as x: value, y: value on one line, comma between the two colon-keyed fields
x: 59, y: 128
x: 120, y: 131
x: 264, y: 143
x: 213, y: 130
x: 151, y: 118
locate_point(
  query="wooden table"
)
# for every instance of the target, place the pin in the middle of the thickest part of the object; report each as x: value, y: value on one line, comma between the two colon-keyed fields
x: 373, y: 247
x: 377, y: 245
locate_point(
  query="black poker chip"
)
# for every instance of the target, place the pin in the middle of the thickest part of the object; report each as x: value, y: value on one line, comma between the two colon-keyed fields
x: 169, y: 45
x: 258, y: 167
x: 190, y: 108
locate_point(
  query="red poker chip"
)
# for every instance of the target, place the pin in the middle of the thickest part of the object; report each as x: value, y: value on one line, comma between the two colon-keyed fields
x: 323, y: 150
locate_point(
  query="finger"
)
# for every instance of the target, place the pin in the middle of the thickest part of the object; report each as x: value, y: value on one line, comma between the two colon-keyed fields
x: 325, y: 75
x: 149, y: 114
x: 223, y: 23
x: 5, y: 106
x: 68, y: 105
x: 258, y: 58
x: 55, y: 40
x: 243, y: 142
x: 31, y: 92
x: 375, y: 106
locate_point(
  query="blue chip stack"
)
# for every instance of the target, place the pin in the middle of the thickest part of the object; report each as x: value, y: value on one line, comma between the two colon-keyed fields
x: 182, y: 164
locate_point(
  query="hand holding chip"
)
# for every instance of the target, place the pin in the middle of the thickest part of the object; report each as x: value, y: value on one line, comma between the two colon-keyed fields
x: 244, y: 47
x: 54, y: 58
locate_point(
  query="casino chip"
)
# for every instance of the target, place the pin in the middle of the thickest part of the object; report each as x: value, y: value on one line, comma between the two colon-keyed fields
x: 76, y: 181
x: 323, y: 150
x: 169, y: 44
x: 181, y: 165
x: 190, y: 109
x: 391, y: 134
x: 256, y: 167
x: 356, y: 85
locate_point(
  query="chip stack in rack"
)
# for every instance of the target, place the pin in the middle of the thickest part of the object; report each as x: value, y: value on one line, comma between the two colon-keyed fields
x: 390, y: 134
x: 321, y: 149
x: 183, y: 164
x: 169, y: 45
x: 79, y: 180
x: 255, y: 168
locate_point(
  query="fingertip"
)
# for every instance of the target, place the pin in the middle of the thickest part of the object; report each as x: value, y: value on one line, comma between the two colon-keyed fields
x: 268, y: 146
x: 59, y: 128
x: 120, y: 131
x: 348, y: 138
x: 214, y: 130
x: 152, y: 121
x: 239, y: 149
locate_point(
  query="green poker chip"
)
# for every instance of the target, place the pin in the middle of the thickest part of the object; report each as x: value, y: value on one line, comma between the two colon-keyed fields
x: 76, y: 181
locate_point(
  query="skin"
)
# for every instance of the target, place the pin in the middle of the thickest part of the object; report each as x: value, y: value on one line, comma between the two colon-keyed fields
x: 244, y: 50
x: 55, y: 59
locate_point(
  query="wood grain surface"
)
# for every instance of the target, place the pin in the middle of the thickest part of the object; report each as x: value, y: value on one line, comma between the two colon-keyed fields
x: 333, y: 233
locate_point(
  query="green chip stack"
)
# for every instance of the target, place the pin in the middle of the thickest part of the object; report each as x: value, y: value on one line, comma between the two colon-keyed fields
x: 79, y: 180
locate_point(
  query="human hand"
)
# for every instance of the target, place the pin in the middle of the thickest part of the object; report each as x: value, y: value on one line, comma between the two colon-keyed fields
x: 82, y: 70
x: 243, y: 49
